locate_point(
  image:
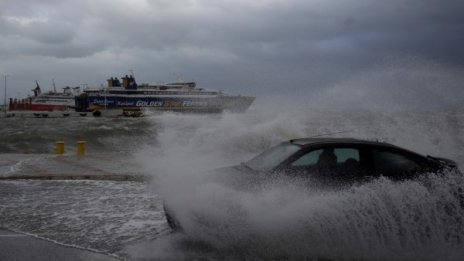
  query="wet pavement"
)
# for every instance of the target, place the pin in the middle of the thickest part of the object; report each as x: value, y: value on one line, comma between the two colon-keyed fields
x: 68, y: 166
x: 17, y: 166
x: 21, y: 247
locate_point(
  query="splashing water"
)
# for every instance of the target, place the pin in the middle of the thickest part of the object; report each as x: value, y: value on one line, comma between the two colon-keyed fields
x: 379, y: 220
x: 420, y: 219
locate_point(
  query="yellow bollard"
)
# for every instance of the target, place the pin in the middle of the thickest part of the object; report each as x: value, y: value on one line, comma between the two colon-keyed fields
x: 80, y: 148
x: 59, y: 148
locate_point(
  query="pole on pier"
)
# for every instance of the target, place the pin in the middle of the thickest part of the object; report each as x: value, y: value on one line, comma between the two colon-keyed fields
x: 4, y: 98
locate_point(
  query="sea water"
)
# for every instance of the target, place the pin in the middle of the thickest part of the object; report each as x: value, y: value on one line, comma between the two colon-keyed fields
x: 378, y: 220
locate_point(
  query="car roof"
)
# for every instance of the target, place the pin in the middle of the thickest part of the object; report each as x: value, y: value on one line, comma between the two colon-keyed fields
x: 314, y: 141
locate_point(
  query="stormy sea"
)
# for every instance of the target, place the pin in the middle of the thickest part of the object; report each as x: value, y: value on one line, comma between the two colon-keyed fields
x: 421, y: 219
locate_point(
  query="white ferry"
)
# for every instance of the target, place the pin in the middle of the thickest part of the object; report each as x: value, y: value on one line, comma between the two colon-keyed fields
x: 179, y: 96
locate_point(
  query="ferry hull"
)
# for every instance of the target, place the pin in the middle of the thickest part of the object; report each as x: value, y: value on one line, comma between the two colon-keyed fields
x: 48, y: 107
x: 85, y: 103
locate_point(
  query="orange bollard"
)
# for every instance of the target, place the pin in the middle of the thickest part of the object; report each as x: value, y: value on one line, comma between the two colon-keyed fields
x: 59, y: 148
x: 80, y: 148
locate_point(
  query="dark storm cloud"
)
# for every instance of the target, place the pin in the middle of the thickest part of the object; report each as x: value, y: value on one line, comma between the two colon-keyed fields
x: 265, y: 44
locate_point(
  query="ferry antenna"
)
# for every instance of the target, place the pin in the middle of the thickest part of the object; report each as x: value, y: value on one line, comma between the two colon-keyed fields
x: 54, y: 86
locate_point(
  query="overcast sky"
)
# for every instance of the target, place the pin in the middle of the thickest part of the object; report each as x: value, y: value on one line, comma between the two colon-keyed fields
x: 348, y: 51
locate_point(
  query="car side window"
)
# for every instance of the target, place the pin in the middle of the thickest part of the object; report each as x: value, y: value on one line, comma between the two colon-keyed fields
x: 393, y: 164
x: 324, y: 156
x: 346, y: 154
x: 330, y: 164
x: 308, y: 159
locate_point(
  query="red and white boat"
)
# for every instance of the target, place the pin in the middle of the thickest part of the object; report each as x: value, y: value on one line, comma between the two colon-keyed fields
x: 50, y: 101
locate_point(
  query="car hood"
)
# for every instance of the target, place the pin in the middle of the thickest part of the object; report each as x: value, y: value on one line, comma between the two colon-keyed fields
x: 243, y: 178
x: 238, y: 177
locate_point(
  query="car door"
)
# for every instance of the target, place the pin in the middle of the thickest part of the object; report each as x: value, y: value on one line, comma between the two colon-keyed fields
x: 395, y: 163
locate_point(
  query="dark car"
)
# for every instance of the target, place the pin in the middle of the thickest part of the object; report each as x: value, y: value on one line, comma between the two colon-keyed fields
x: 330, y: 162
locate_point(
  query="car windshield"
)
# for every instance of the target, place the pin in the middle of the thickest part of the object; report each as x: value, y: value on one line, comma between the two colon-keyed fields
x: 272, y: 157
